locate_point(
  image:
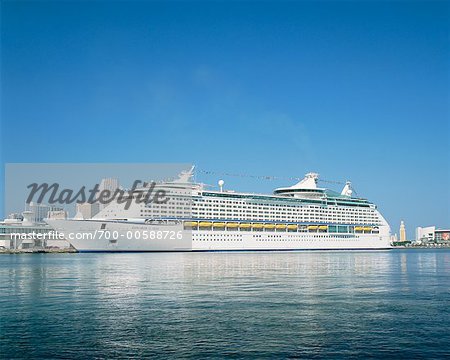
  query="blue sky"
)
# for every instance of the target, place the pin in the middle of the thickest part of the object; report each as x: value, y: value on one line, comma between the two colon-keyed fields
x: 352, y: 90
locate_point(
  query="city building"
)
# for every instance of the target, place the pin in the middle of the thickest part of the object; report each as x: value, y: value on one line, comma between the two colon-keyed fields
x: 110, y: 184
x: 402, y: 231
x: 57, y: 214
x: 425, y: 234
x: 87, y: 210
x: 28, y: 231
x: 430, y: 234
x: 442, y: 236
x: 38, y: 212
x: 16, y: 216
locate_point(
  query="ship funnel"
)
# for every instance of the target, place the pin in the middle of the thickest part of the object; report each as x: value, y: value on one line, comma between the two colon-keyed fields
x: 347, y: 190
x: 27, y: 218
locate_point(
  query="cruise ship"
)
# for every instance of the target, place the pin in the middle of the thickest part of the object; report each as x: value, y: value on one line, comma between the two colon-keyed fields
x: 196, y: 218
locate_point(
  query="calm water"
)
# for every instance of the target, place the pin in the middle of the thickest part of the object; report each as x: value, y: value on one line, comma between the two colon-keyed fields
x: 263, y: 305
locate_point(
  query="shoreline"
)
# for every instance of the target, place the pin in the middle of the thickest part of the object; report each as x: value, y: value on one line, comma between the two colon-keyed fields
x: 73, y: 251
x: 38, y: 251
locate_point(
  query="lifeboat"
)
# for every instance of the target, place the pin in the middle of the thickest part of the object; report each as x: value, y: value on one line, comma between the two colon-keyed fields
x: 367, y: 228
x: 359, y: 228
x: 323, y: 227
x: 232, y: 225
x: 218, y: 224
x: 257, y: 226
x: 204, y: 224
x: 269, y: 226
x: 245, y: 226
x: 190, y: 223
x: 313, y: 227
x: 280, y: 226
x: 292, y: 227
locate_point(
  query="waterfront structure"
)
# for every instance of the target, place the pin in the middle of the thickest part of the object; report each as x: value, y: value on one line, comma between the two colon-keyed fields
x: 15, y: 216
x: 299, y: 217
x: 57, y: 214
x: 442, y: 235
x: 23, y: 236
x: 23, y: 232
x: 430, y: 234
x: 402, y: 231
x: 425, y: 234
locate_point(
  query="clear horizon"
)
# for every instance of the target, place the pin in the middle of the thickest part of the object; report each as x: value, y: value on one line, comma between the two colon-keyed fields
x: 353, y: 91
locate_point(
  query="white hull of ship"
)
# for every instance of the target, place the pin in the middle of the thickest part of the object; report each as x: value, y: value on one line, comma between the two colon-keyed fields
x: 90, y: 236
x: 279, y: 241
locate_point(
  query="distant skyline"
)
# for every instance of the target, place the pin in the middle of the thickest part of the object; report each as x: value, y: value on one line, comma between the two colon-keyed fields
x: 351, y: 90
